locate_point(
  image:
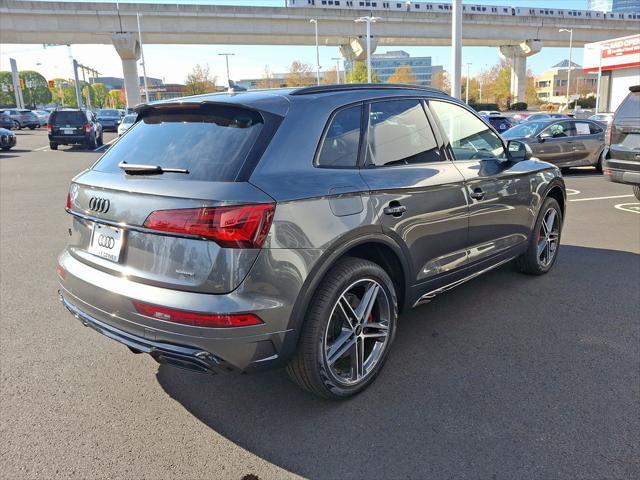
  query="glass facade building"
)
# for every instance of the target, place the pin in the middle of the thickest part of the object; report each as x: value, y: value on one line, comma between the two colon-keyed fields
x: 385, y: 64
x: 615, y: 6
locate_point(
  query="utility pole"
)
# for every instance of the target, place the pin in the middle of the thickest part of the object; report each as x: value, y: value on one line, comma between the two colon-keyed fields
x: 467, y: 87
x: 77, y: 82
x: 337, y: 59
x: 226, y: 56
x: 315, y: 23
x: 144, y: 65
x: 368, y: 20
x: 599, y: 77
x: 570, y: 32
x: 456, y: 47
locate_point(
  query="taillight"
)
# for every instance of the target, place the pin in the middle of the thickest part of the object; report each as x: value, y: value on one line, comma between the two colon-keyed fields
x: 242, y: 226
x: 608, y: 134
x: 62, y: 273
x: 49, y: 128
x: 87, y: 128
x: 68, y: 205
x: 212, y: 320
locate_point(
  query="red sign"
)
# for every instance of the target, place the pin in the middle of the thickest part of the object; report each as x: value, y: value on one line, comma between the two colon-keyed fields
x: 622, y: 47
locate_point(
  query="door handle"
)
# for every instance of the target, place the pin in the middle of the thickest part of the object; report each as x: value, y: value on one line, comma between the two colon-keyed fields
x: 395, y: 209
x: 477, y: 193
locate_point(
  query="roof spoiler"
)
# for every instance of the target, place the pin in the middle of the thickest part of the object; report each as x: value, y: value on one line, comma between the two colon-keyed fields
x: 635, y: 88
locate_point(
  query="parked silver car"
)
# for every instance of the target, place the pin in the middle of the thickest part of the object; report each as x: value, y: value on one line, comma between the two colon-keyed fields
x: 23, y: 118
x: 245, y: 231
x: 563, y: 142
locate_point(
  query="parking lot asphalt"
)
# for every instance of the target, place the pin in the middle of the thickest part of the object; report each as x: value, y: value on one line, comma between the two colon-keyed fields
x: 505, y: 377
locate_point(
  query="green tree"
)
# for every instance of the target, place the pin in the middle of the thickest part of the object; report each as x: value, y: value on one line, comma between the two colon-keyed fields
x: 36, y: 90
x: 69, y: 97
x: 200, y: 80
x: 358, y: 74
x: 300, y: 75
x: 6, y: 90
x: 115, y: 99
x: 100, y: 93
x: 440, y: 80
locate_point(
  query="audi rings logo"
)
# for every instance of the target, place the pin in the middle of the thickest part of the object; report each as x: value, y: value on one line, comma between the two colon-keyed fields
x: 106, y: 241
x: 100, y: 205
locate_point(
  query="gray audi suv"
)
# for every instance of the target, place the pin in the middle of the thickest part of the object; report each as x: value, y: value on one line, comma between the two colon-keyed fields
x: 289, y: 227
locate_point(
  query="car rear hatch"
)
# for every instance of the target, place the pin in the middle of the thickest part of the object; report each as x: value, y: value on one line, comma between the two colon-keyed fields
x: 624, y: 136
x: 67, y: 123
x: 169, y: 203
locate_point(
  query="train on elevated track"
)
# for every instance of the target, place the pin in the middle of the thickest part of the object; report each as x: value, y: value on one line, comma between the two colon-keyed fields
x: 415, y: 6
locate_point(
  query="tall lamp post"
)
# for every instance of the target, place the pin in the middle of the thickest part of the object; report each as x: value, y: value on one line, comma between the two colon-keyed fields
x: 368, y: 20
x: 337, y: 59
x: 570, y: 32
x: 456, y: 47
x: 467, y: 87
x: 315, y: 23
x: 144, y: 65
x: 226, y: 57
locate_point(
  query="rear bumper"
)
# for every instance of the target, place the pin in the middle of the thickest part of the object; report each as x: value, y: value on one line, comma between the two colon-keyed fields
x: 69, y: 139
x: 622, y: 171
x: 184, y: 357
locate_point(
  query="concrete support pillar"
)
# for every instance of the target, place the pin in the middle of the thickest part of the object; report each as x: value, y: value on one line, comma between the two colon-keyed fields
x: 128, y: 48
x: 356, y: 51
x: 517, y: 55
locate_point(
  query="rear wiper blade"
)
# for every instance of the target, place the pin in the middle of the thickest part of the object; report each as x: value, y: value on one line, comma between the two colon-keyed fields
x: 144, y: 169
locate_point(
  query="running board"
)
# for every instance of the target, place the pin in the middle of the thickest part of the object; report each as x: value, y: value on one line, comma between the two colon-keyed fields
x: 427, y: 297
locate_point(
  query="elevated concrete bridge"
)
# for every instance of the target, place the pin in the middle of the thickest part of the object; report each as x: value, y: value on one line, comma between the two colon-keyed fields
x: 103, y: 23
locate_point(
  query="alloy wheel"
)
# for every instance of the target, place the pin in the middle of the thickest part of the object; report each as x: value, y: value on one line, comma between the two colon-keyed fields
x: 357, y: 333
x: 548, y: 237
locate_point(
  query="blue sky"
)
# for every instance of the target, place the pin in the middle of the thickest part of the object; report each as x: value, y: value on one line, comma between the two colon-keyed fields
x: 173, y: 62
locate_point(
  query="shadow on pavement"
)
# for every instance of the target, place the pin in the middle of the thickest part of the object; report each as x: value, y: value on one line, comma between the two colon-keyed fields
x: 507, y: 376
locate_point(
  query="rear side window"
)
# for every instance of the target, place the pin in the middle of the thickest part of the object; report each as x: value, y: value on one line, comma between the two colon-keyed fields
x: 342, y: 140
x: 630, y: 107
x: 212, y: 142
x: 64, y: 118
x: 399, y: 134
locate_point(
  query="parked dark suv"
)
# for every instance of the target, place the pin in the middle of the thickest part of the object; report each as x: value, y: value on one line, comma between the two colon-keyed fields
x: 622, y: 160
x: 74, y: 127
x: 238, y: 232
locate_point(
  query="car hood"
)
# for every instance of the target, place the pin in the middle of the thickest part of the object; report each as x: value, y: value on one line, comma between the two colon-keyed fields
x: 4, y: 131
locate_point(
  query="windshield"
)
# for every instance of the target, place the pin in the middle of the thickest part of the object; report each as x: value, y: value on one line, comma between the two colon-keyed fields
x: 129, y: 119
x: 524, y: 130
x: 108, y: 113
x: 630, y: 107
x: 211, y: 142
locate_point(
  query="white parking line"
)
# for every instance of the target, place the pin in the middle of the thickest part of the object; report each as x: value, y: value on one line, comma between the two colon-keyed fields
x: 629, y: 207
x: 41, y: 149
x: 571, y: 191
x: 599, y: 198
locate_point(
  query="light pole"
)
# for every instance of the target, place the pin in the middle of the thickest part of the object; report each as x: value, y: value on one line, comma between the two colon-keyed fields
x: 599, y: 77
x: 570, y: 32
x: 337, y: 59
x: 456, y: 47
x: 226, y: 56
x: 144, y: 65
x: 479, y: 90
x: 467, y: 87
x: 368, y: 20
x: 315, y: 23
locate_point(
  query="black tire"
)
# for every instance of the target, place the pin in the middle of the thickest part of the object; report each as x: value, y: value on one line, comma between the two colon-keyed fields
x: 53, y: 145
x: 17, y: 125
x: 599, y: 163
x: 309, y: 367
x: 636, y: 191
x: 100, y: 141
x: 92, y: 144
x: 6, y: 149
x: 530, y: 262
x: 32, y: 127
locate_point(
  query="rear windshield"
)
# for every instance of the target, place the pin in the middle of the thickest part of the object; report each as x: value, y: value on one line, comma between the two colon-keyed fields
x: 630, y: 107
x: 108, y: 113
x: 62, y: 118
x: 212, y: 142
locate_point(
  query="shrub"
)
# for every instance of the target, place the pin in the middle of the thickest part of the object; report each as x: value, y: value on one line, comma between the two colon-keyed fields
x: 518, y: 106
x: 588, y: 102
x: 484, y: 106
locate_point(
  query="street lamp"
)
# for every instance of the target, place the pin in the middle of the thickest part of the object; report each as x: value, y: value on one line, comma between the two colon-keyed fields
x: 467, y: 88
x: 226, y: 57
x: 144, y: 64
x: 570, y: 32
x: 337, y: 59
x: 369, y: 20
x: 315, y: 23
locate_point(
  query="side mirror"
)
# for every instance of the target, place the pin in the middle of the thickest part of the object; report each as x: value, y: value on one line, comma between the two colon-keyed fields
x: 518, y: 151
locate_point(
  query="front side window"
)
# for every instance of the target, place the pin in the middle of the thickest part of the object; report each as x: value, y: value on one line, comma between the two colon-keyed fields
x: 399, y: 134
x: 469, y: 137
x: 342, y: 140
x: 585, y: 128
x: 559, y: 130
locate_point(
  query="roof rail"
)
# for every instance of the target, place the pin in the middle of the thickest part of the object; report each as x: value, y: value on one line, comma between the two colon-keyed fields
x: 360, y: 86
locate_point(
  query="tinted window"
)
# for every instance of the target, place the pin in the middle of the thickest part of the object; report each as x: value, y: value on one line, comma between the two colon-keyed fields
x: 108, y: 113
x: 499, y: 123
x: 595, y: 128
x: 399, y: 134
x: 470, y: 137
x: 559, y: 130
x: 524, y: 130
x: 342, y: 140
x: 67, y: 117
x: 212, y: 142
x: 630, y: 107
